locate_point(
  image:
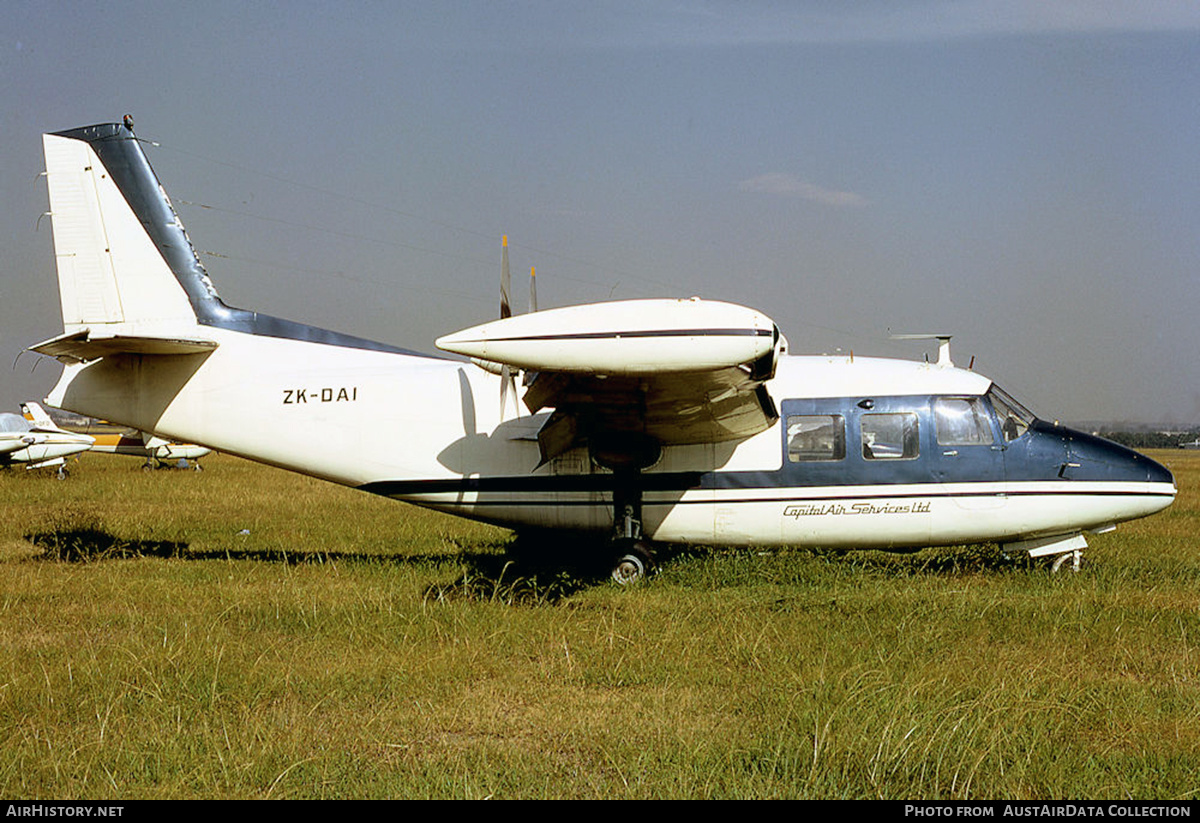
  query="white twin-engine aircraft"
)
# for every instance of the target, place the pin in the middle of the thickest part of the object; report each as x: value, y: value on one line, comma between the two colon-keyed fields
x: 647, y: 420
x: 157, y: 451
x: 38, y: 444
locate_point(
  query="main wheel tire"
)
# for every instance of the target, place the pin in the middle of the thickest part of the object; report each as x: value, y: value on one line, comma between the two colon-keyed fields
x: 634, y: 561
x: 629, y: 569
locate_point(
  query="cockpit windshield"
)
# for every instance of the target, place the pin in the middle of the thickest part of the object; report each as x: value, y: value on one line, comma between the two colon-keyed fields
x: 1014, y: 418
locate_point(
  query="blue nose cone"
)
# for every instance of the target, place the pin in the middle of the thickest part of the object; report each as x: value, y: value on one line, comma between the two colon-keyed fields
x: 1100, y: 459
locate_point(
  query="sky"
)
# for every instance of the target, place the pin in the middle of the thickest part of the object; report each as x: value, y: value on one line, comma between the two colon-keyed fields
x: 1022, y: 175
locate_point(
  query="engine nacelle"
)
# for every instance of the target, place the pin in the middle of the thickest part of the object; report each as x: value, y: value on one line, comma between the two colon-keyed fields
x: 628, y: 337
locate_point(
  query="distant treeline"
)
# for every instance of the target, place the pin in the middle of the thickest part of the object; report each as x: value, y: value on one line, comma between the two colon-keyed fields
x: 1151, y: 440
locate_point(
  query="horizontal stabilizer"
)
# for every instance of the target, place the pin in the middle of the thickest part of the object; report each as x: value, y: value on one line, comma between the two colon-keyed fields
x: 82, y: 346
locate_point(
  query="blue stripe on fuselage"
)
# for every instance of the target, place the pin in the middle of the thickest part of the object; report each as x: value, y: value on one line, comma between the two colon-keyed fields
x: 1043, y: 453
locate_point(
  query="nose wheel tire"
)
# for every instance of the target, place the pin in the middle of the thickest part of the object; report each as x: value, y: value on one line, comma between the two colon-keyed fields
x: 1069, y: 561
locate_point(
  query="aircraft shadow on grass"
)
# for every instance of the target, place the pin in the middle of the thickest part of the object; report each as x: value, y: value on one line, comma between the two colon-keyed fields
x: 526, y: 572
x: 522, y: 573
x: 82, y: 544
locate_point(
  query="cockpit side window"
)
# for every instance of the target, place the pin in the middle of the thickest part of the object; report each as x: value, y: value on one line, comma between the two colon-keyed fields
x: 1014, y: 418
x: 10, y: 422
x: 962, y: 421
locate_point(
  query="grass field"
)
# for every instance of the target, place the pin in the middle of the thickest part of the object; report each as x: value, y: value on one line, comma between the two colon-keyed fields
x: 247, y: 633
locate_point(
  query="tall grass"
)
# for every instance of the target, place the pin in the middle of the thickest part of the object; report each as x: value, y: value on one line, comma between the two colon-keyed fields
x: 244, y: 632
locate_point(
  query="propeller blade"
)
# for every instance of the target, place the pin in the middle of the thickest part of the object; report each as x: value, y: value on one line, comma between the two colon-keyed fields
x: 532, y: 289
x: 507, y: 377
x: 505, y: 281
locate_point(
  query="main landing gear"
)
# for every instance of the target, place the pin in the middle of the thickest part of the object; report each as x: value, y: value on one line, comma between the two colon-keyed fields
x: 633, y: 556
x: 154, y: 463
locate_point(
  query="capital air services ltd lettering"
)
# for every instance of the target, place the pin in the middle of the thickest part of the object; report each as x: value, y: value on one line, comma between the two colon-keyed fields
x: 823, y: 509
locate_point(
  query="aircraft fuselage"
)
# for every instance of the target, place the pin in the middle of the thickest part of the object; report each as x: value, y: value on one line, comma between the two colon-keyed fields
x: 866, y: 452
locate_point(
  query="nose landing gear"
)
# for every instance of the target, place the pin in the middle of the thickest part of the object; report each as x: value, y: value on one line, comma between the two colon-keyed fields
x: 1067, y: 550
x: 1061, y: 562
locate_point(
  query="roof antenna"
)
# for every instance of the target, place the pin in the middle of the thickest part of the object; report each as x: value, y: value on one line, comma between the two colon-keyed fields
x: 944, y: 350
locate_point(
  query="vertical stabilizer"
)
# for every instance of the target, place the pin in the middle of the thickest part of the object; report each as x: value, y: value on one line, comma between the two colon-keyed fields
x: 35, y: 414
x: 128, y: 276
x: 112, y: 276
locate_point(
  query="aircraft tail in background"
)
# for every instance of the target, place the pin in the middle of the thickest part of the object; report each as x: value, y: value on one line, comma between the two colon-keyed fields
x: 35, y: 414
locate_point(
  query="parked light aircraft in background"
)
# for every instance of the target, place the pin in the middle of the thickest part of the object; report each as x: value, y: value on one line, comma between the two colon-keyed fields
x: 38, y: 445
x: 647, y: 420
x: 158, y: 452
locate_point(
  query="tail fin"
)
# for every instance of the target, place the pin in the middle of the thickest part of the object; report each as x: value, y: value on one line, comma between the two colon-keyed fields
x: 36, y: 415
x: 128, y: 276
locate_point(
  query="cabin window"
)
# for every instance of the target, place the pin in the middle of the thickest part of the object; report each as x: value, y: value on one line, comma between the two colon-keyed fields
x: 890, y: 436
x: 962, y: 421
x: 816, y: 437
